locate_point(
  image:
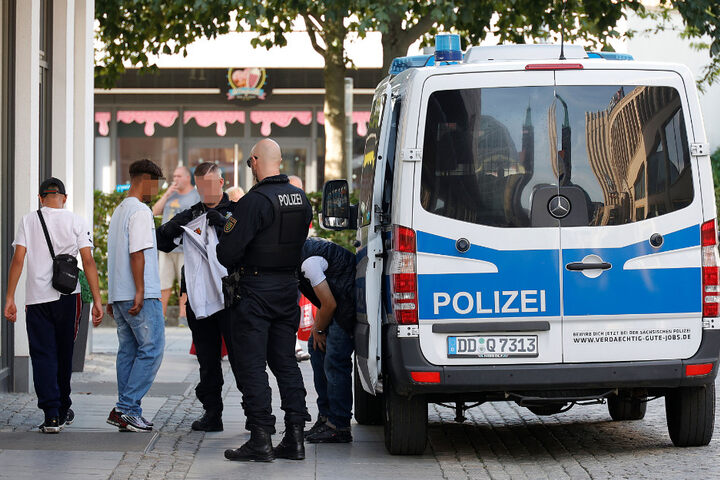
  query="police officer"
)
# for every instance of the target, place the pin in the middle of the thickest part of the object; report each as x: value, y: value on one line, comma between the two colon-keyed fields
x: 260, y: 246
x: 207, y: 333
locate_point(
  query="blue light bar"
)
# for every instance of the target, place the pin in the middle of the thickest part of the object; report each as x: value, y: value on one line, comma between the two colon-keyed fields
x: 447, y: 48
x: 401, y: 64
x: 610, y: 55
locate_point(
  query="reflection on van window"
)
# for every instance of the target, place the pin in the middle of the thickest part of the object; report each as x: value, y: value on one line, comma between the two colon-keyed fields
x: 619, y: 153
x: 367, y: 174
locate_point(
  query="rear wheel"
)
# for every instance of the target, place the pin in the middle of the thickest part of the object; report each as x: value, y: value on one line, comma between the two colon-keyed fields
x: 368, y: 408
x: 405, y: 422
x: 690, y: 413
x: 626, y: 408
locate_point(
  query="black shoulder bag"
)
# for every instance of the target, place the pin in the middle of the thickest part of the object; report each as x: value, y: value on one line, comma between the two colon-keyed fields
x: 65, y: 268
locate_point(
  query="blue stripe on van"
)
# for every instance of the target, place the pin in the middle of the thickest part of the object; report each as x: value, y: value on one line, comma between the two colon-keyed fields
x: 616, y: 291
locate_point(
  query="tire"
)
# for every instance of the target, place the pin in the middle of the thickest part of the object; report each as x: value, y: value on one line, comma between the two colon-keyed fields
x: 626, y: 408
x: 405, y: 422
x: 690, y: 413
x: 548, y: 409
x: 368, y: 408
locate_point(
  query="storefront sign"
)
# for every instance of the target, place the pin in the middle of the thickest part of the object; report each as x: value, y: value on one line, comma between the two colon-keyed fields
x: 246, y: 83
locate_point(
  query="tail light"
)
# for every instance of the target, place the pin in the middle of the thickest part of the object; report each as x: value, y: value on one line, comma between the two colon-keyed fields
x: 403, y: 276
x: 710, y: 277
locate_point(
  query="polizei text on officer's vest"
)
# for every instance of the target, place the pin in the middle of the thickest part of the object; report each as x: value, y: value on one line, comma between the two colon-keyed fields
x: 289, y: 199
x: 505, y: 301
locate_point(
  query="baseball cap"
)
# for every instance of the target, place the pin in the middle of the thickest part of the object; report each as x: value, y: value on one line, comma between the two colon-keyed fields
x: 52, y: 185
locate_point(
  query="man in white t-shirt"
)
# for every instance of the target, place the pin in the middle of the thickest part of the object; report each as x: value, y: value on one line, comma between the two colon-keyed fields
x: 134, y: 297
x: 52, y: 318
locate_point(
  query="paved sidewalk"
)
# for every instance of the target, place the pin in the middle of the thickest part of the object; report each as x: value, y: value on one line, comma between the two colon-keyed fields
x: 499, y: 440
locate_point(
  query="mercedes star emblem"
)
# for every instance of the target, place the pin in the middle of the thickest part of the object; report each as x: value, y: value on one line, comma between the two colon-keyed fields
x: 559, y: 206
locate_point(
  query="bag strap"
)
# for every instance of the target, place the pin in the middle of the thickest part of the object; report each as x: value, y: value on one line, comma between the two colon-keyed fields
x: 47, y: 235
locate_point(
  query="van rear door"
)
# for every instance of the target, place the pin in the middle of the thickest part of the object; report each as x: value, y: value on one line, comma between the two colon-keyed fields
x: 631, y: 275
x: 488, y: 251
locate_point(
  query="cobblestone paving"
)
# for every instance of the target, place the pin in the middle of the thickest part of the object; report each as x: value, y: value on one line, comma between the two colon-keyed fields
x: 498, y: 441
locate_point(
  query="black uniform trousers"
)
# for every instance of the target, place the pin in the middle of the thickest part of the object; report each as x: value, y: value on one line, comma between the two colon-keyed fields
x: 207, y: 335
x: 264, y: 325
x: 52, y: 328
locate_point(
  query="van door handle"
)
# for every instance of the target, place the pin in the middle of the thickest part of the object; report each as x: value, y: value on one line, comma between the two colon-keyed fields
x: 580, y: 266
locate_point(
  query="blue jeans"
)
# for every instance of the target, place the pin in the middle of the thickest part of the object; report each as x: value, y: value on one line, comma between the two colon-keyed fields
x: 142, y: 343
x: 332, y: 375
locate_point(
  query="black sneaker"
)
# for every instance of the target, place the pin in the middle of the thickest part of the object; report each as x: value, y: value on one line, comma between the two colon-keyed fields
x: 51, y: 425
x: 67, y: 418
x: 331, y: 434
x: 319, y: 425
x: 133, y: 424
x: 114, y: 418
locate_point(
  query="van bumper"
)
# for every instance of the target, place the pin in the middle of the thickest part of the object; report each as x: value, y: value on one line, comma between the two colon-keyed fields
x: 403, y: 356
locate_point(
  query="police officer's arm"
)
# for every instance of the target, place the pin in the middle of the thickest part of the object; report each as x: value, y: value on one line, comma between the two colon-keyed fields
x: 168, y: 232
x: 252, y: 213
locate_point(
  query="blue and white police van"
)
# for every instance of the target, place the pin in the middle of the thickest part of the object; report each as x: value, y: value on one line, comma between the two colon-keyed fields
x: 535, y: 224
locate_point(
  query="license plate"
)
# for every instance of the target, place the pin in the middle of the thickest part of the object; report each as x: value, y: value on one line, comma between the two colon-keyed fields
x: 493, y: 346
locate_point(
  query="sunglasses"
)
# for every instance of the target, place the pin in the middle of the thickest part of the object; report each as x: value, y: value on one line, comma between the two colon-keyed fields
x: 250, y: 159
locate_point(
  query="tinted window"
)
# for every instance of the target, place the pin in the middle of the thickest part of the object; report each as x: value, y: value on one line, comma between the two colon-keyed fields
x: 367, y: 173
x: 619, y: 153
x: 629, y: 151
x: 485, y: 152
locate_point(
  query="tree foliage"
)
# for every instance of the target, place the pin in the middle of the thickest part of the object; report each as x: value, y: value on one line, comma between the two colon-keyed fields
x: 511, y: 21
x: 134, y: 31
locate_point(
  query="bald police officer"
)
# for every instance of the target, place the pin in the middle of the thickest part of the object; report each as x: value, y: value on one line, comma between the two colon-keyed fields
x: 261, y: 247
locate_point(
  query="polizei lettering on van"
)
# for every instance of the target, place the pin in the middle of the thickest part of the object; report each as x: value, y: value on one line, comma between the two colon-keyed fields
x: 290, y: 199
x: 490, y: 302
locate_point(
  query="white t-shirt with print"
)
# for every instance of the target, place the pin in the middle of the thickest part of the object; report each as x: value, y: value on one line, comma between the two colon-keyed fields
x: 68, y: 233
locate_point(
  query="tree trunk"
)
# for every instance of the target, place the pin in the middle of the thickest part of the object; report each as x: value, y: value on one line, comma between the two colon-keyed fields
x: 334, y: 76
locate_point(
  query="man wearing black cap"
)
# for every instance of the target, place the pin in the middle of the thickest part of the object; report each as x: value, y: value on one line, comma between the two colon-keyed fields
x: 52, y: 318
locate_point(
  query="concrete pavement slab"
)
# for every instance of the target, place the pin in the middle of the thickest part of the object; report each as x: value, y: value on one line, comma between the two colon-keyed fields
x: 43, y: 464
x: 78, y: 441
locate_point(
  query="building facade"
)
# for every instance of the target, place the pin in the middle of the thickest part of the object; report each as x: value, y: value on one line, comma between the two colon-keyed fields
x: 46, y: 87
x: 190, y: 115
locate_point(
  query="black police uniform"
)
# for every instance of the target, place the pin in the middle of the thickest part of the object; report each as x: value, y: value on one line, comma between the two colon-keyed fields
x: 261, y: 243
x: 207, y: 334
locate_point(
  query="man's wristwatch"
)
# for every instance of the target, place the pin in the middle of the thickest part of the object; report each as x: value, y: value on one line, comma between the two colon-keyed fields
x: 321, y: 332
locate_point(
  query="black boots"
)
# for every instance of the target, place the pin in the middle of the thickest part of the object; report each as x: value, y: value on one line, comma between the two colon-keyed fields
x: 292, y: 446
x: 211, y: 421
x: 258, y: 449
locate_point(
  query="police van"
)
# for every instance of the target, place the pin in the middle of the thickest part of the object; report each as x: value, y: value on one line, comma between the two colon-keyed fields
x: 535, y: 224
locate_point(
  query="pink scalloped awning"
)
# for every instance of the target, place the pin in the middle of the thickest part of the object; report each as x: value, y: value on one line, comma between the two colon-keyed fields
x: 164, y: 118
x: 280, y: 118
x: 103, y: 121
x: 361, y: 118
x: 221, y: 118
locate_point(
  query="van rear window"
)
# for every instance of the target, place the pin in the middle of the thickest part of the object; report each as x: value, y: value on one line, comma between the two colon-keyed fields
x: 620, y: 153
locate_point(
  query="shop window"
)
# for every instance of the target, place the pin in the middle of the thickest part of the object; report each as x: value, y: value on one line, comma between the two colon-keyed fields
x: 147, y: 134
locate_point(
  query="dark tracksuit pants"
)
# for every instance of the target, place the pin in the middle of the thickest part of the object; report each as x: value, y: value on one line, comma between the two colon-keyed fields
x: 207, y: 335
x: 52, y: 328
x: 264, y: 325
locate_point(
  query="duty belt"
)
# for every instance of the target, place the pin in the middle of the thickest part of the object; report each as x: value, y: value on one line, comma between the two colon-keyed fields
x: 251, y: 271
x: 232, y: 283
